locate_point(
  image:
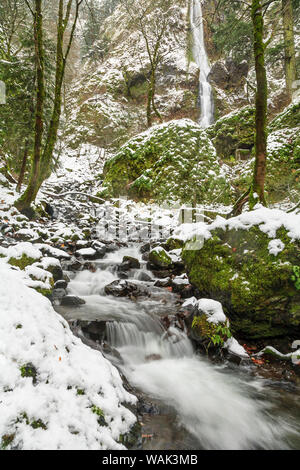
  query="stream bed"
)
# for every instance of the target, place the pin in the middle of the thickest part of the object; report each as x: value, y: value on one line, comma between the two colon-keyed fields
x: 190, y: 403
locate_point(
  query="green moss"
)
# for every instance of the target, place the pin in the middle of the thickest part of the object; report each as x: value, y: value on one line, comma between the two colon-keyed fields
x: 209, y: 334
x: 21, y: 262
x: 234, y: 131
x: 38, y: 424
x: 288, y: 118
x: 100, y: 414
x: 160, y: 258
x: 255, y: 287
x: 6, y: 441
x: 170, y: 162
x: 29, y: 370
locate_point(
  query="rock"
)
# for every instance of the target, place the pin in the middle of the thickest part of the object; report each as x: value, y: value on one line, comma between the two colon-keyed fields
x: 163, y: 282
x: 182, y: 286
x: 61, y: 284
x: 159, y: 258
x: 100, y: 248
x: 125, y: 288
x: 237, y: 72
x: 57, y: 295
x: 72, y: 301
x: 258, y: 289
x: 153, y: 357
x: 144, y: 276
x: 87, y: 253
x: 56, y: 272
x: 96, y: 330
x: 219, y: 75
x: 129, y: 263
x: 234, y: 131
x: 160, y: 163
x: 145, y: 248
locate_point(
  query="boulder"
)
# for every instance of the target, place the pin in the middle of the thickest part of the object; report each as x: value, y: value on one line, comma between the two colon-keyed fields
x: 159, y: 258
x: 254, y: 275
x: 233, y: 131
x: 171, y: 161
x: 72, y: 301
x: 124, y: 288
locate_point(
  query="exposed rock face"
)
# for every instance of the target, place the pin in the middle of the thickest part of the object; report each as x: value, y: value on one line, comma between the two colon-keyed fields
x: 256, y: 283
x: 107, y: 105
x: 172, y: 161
x: 229, y: 74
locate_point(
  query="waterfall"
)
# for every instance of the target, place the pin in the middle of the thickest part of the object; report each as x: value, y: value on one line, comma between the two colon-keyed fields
x: 201, y: 59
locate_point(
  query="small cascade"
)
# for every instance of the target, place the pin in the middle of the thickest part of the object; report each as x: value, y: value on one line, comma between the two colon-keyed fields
x: 217, y: 407
x: 201, y: 59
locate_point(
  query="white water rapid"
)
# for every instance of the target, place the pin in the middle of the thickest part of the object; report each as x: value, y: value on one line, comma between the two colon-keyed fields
x: 201, y: 59
x: 219, y: 407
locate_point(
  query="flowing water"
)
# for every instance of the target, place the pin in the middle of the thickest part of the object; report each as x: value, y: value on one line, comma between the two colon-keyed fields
x: 201, y: 59
x: 203, y: 406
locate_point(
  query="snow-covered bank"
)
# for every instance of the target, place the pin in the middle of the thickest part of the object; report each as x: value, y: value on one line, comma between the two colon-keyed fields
x: 54, y: 391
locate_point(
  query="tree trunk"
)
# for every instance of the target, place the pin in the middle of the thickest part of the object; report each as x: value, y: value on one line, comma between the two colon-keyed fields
x: 257, y: 190
x: 149, y: 104
x: 29, y: 195
x: 289, y: 46
x: 23, y: 167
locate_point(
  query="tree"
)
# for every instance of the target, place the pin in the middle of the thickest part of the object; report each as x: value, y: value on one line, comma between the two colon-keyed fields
x: 289, y: 45
x: 43, y: 151
x: 256, y: 192
x: 151, y: 20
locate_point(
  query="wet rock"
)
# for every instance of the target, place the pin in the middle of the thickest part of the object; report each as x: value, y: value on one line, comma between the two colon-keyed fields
x: 133, y: 262
x: 96, y: 330
x: 147, y: 408
x: 153, y: 357
x: 144, y: 276
x: 100, y: 249
x: 61, y: 284
x: 145, y: 248
x: 72, y: 301
x: 56, y: 272
x: 58, y: 294
x: 125, y: 288
x: 72, y: 265
x: 163, y: 282
x: 129, y: 263
x: 182, y: 286
x: 257, y: 288
x: 159, y: 258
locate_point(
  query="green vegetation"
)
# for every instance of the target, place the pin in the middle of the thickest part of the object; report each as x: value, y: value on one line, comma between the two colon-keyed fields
x: 255, y: 287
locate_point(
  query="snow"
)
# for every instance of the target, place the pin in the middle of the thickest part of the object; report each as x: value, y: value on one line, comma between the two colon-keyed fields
x: 86, y: 252
x: 275, y: 246
x: 234, y: 347
x: 33, y: 333
x: 213, y: 310
x: 268, y: 221
x: 24, y: 248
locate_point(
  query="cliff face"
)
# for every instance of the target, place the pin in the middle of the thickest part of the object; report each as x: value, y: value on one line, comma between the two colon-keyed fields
x: 107, y: 104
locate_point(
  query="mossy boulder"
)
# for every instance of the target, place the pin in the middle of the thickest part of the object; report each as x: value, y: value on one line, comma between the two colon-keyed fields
x: 160, y: 258
x: 174, y: 161
x: 207, y: 334
x: 233, y: 131
x: 256, y: 284
x: 290, y: 117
